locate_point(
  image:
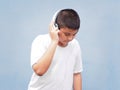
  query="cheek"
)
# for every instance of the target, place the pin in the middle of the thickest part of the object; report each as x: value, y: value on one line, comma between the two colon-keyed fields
x: 62, y: 37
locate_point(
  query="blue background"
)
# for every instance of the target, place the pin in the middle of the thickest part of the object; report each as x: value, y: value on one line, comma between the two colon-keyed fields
x: 22, y: 20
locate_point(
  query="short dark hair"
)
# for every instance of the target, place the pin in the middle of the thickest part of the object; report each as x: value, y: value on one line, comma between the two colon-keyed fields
x: 68, y: 18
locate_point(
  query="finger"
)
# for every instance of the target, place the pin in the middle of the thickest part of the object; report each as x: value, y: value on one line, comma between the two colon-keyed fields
x: 51, y: 26
x: 58, y: 31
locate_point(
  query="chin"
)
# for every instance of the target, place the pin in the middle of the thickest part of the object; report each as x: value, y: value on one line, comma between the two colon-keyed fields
x: 64, y: 44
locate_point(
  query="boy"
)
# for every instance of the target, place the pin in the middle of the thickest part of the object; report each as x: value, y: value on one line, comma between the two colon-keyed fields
x: 56, y: 57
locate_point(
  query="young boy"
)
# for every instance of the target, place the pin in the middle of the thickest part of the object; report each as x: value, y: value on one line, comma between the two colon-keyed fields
x: 56, y: 57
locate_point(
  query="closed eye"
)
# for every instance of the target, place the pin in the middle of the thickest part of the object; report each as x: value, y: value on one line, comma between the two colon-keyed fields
x: 67, y: 34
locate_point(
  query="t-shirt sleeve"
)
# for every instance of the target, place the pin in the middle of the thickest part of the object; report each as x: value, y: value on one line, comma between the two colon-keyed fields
x: 37, y: 49
x: 78, y: 67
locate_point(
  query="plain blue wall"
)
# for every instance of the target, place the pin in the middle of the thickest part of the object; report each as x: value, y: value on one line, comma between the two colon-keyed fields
x: 21, y: 21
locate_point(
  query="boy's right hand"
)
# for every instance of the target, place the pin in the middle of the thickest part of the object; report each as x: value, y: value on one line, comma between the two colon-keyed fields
x: 53, y: 31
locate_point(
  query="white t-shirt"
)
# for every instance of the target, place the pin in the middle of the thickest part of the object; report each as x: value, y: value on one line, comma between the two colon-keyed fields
x: 66, y: 61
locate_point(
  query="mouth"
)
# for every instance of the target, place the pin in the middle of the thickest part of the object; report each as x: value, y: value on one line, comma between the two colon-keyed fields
x: 63, y: 44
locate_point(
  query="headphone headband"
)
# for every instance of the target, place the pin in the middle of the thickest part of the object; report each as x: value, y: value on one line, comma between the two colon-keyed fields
x: 55, y: 15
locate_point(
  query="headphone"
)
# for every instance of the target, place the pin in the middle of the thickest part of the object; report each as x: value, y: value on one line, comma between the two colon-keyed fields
x: 54, y: 18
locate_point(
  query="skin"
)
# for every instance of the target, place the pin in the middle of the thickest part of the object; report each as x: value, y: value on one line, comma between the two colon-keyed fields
x: 58, y: 37
x: 65, y: 36
x: 77, y: 81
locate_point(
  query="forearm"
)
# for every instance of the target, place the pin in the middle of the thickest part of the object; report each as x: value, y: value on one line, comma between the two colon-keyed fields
x: 77, y: 81
x: 44, y: 62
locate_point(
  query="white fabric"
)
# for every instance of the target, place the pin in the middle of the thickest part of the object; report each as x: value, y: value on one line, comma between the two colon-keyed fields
x: 66, y: 62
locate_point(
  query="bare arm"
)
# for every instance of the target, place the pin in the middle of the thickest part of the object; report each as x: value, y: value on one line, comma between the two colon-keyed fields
x: 77, y: 81
x: 44, y: 62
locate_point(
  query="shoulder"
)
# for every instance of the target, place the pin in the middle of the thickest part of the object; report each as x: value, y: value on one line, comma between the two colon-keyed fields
x: 43, y: 36
x: 75, y: 42
x: 41, y: 39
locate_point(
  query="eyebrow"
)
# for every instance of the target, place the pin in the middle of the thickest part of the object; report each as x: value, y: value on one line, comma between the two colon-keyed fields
x: 67, y: 33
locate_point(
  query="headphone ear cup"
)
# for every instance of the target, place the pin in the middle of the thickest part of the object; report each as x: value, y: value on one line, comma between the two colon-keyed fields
x: 56, y: 25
